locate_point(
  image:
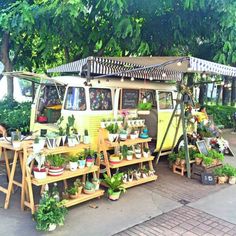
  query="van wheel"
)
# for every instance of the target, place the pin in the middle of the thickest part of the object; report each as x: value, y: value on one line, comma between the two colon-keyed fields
x: 179, y: 145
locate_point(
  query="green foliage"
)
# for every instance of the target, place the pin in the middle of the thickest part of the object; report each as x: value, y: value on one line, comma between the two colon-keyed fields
x: 50, y: 211
x: 207, y: 161
x: 199, y: 155
x: 216, y: 155
x: 114, y: 183
x: 145, y: 106
x: 172, y: 157
x: 222, y: 115
x: 14, y: 115
x: 74, y: 158
x: 81, y: 156
x: 73, y: 190
x: 124, y: 150
x: 112, y: 128
x: 55, y: 160
x: 89, y: 186
x: 225, y: 170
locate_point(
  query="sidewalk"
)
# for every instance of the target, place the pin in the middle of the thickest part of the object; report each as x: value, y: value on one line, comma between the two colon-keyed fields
x: 173, y: 205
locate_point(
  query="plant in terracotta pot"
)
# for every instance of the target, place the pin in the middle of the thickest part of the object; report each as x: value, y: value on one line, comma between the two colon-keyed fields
x: 221, y: 176
x: 73, y: 192
x: 50, y: 213
x: 232, y: 175
x: 115, y: 185
x: 56, y: 162
x: 198, y: 158
x: 207, y: 161
x: 89, y: 187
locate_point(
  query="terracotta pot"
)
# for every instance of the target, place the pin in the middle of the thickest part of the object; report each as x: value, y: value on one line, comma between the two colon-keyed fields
x: 80, y: 189
x: 182, y: 162
x: 222, y: 179
x: 74, y: 196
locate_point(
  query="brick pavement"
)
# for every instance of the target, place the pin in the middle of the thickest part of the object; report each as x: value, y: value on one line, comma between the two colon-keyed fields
x: 185, y: 221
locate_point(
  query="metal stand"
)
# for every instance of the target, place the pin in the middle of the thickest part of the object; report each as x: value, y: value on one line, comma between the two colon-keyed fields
x: 180, y: 102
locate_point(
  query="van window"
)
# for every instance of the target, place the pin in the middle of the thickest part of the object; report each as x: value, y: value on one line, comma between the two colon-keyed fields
x: 75, y: 99
x: 100, y: 99
x: 150, y: 96
x: 130, y: 98
x: 165, y: 100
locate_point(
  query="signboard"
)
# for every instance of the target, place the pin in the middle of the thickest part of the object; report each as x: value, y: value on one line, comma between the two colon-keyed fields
x: 1, y: 67
x: 208, y: 179
x: 130, y: 98
x: 202, y: 147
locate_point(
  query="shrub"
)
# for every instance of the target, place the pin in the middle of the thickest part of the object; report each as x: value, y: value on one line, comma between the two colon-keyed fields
x: 14, y: 115
x: 222, y: 115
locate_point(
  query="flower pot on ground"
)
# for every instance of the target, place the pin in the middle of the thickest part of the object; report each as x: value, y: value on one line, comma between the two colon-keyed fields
x: 73, y: 163
x: 89, y: 188
x: 220, y: 173
x: 172, y: 159
x: 96, y: 183
x: 50, y: 212
x: 56, y: 162
x: 115, y: 185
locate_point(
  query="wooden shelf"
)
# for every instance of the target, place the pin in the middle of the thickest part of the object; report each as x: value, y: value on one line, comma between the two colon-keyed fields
x: 140, y: 181
x: 83, y: 197
x: 127, y: 142
x: 66, y: 175
x: 127, y: 163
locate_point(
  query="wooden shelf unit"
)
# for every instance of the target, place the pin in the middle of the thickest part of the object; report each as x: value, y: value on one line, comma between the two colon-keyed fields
x: 67, y: 174
x: 104, y: 145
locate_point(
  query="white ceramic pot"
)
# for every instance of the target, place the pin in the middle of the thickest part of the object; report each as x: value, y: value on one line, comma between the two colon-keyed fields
x: 73, y: 166
x: 37, y: 147
x: 138, y: 155
x: 58, y: 141
x: 42, y: 142
x: 133, y: 136
x: 16, y: 144
x: 52, y: 227
x: 232, y: 179
x: 86, y: 139
x: 112, y: 137
x: 123, y: 137
x: 51, y: 143
x: 129, y: 157
x: 40, y: 174
x: 146, y: 154
x: 71, y: 141
x: 63, y: 140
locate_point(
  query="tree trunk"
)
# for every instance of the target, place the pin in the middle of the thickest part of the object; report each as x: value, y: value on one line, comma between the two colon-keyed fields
x: 226, y: 93
x: 202, y: 94
x: 5, y: 48
x: 233, y: 92
x: 218, y: 94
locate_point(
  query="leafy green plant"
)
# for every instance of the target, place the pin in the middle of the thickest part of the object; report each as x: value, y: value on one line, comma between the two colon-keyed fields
x: 199, y: 155
x: 88, y: 185
x: 112, y: 128
x: 72, y: 190
x: 229, y: 170
x: 55, y: 160
x: 114, y: 183
x: 81, y: 156
x: 50, y: 211
x: 218, y: 171
x: 216, y: 155
x: 172, y: 157
x: 78, y: 183
x: 73, y: 158
x: 145, y: 106
x: 207, y: 161
x: 124, y: 150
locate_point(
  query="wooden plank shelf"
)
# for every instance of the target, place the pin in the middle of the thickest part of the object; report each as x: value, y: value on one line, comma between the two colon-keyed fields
x: 83, y: 198
x: 140, y: 181
x: 127, y: 163
x: 127, y: 142
x: 66, y: 175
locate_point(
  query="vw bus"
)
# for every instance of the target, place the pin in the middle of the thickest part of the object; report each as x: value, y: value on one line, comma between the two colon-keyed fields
x: 91, y: 102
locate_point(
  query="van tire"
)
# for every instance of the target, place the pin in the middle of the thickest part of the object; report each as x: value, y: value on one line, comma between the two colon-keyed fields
x: 179, y: 144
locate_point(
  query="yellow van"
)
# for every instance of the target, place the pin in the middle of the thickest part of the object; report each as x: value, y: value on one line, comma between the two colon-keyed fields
x: 91, y: 102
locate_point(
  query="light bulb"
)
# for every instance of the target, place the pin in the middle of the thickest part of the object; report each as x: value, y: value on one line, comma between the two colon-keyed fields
x: 122, y: 79
x: 132, y: 79
x: 150, y: 78
x: 163, y: 74
x: 179, y: 63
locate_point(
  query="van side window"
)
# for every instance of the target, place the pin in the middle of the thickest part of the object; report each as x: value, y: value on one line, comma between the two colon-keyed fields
x: 100, y: 99
x: 75, y: 99
x: 165, y: 100
x: 149, y: 95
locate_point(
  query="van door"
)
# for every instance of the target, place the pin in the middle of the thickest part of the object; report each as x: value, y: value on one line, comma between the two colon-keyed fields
x: 165, y: 104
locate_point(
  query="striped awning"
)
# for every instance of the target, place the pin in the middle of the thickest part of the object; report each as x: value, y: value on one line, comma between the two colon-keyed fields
x: 156, y: 68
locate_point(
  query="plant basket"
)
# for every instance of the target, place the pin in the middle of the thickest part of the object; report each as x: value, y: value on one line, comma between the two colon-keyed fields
x: 232, y: 180
x: 222, y: 179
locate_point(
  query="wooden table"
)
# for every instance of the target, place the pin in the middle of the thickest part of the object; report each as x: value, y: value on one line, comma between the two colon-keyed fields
x: 6, y: 146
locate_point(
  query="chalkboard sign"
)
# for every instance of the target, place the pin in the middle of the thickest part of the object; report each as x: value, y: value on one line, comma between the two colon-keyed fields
x: 208, y: 179
x: 202, y: 147
x: 130, y: 98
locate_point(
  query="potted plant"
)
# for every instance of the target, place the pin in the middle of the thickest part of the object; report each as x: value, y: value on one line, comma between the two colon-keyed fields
x: 144, y: 172
x: 86, y: 137
x: 124, y: 151
x: 73, y: 163
x: 79, y: 185
x: 115, y: 158
x: 50, y: 213
x: 146, y: 152
x: 89, y: 187
x: 232, y: 175
x: 90, y: 157
x: 123, y: 135
x: 55, y: 162
x: 137, y: 174
x: 198, y: 158
x: 130, y: 174
x: 172, y: 159
x: 96, y: 183
x: 51, y: 140
x: 103, y: 123
x: 61, y: 131
x: 39, y: 170
x: 207, y: 161
x: 133, y: 135
x: 113, y: 130
x: 219, y: 173
x: 115, y: 185
x: 216, y: 156
x: 16, y: 139
x: 137, y: 150
x: 81, y: 160
x: 130, y: 153
x: 36, y: 145
x: 72, y: 140
x: 144, y: 108
x: 73, y: 192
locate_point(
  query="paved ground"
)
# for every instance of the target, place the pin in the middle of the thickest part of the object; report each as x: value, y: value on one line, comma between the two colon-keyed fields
x: 173, y: 205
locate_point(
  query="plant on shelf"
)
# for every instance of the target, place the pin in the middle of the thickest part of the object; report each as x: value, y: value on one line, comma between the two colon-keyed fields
x: 61, y: 130
x: 137, y: 150
x: 73, y: 192
x: 216, y: 156
x: 81, y: 160
x: 124, y: 151
x: 113, y: 132
x: 207, y: 161
x: 89, y: 187
x: 86, y: 137
x: 130, y: 174
x: 50, y: 213
x: 146, y: 152
x: 39, y: 170
x: 73, y: 163
x: 115, y: 185
x: 198, y: 158
x: 16, y: 138
x: 133, y: 134
x: 96, y: 183
x: 90, y: 156
x: 145, y: 106
x: 144, y: 172
x: 56, y: 162
x: 78, y: 184
x: 123, y: 134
